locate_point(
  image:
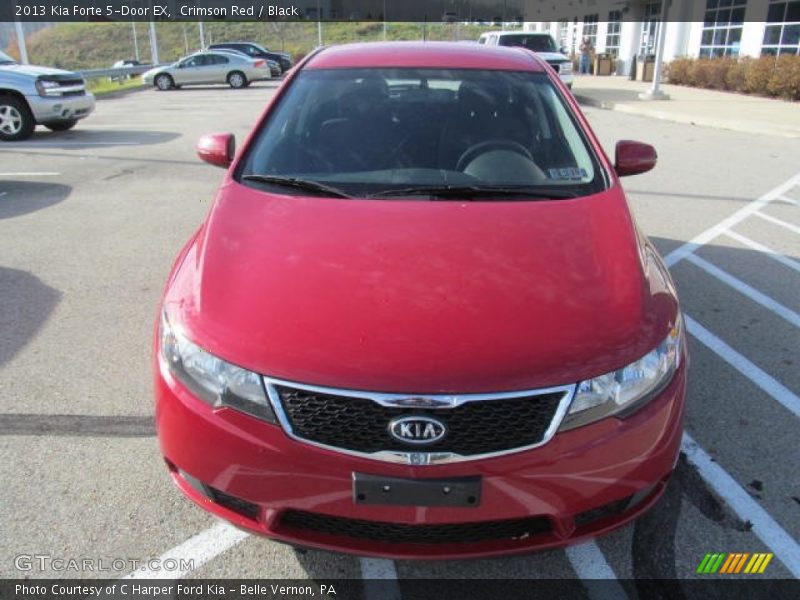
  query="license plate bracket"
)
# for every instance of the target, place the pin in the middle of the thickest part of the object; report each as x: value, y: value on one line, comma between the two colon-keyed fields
x: 397, y: 491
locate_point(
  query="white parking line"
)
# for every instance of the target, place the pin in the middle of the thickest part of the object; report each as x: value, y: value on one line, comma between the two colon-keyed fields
x: 772, y: 534
x: 200, y: 549
x: 589, y: 563
x: 746, y: 241
x: 745, y: 289
x: 764, y: 526
x: 740, y: 215
x: 789, y: 200
x: 380, y: 579
x: 772, y: 219
x: 767, y: 383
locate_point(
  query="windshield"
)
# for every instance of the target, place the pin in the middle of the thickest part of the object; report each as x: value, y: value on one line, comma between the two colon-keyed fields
x: 537, y: 43
x: 5, y: 59
x: 367, y: 132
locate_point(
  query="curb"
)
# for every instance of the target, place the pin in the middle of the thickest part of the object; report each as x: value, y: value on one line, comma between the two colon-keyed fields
x: 741, y: 126
x: 589, y: 101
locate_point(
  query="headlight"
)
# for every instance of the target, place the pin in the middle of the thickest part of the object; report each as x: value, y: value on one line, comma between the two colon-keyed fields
x: 46, y: 88
x: 566, y: 67
x: 624, y: 391
x: 213, y: 380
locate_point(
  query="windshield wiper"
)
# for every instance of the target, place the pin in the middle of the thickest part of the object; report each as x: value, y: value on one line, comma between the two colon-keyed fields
x: 301, y: 184
x: 468, y: 192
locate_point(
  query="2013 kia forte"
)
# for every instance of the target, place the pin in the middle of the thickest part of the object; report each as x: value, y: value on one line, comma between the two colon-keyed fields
x: 419, y: 319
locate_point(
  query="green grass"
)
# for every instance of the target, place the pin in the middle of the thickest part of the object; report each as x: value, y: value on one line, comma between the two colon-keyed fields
x: 99, y: 45
x: 102, y: 86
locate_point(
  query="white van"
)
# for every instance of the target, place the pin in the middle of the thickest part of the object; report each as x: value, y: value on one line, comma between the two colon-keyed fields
x: 542, y: 44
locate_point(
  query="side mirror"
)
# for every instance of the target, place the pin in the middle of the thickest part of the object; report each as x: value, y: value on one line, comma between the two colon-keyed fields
x: 632, y: 158
x: 217, y: 149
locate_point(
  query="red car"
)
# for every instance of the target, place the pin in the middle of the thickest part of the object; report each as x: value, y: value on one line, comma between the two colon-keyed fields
x: 419, y: 320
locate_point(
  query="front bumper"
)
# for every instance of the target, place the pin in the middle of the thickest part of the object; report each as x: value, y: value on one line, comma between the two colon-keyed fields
x: 53, y: 109
x: 583, y: 483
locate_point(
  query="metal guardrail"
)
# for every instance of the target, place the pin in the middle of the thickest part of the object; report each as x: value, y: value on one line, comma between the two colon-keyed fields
x: 116, y: 72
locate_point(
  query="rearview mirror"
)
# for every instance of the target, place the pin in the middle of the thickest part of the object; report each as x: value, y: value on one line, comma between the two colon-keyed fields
x: 632, y: 158
x: 217, y: 149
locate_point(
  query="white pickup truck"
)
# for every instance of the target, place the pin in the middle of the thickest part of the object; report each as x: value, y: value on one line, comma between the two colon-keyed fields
x: 541, y: 43
x: 31, y: 96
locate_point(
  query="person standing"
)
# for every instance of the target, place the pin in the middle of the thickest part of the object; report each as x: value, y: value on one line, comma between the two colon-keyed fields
x: 586, y: 55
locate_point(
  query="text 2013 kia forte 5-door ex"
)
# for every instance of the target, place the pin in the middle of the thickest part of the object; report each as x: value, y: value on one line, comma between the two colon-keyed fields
x: 419, y: 319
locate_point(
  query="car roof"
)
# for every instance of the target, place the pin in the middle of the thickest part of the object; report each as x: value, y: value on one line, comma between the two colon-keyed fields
x: 225, y: 52
x: 440, y: 55
x: 227, y: 43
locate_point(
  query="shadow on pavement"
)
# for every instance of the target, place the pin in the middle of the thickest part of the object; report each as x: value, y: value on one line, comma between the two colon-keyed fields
x: 25, y: 304
x: 22, y: 197
x: 222, y: 87
x: 93, y: 138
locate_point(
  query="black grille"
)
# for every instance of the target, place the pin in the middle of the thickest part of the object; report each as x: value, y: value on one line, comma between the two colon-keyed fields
x: 381, y: 531
x: 476, y: 427
x: 556, y: 65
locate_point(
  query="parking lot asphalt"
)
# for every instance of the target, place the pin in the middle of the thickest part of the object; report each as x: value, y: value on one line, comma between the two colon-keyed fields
x: 91, y: 220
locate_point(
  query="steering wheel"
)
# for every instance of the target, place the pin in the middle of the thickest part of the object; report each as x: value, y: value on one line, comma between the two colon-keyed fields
x: 476, y: 150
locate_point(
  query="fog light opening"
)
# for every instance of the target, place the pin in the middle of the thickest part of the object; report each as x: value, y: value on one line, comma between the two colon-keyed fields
x: 238, y: 505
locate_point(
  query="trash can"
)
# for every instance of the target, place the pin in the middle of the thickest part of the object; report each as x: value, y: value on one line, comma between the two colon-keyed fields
x: 645, y: 68
x: 603, y: 64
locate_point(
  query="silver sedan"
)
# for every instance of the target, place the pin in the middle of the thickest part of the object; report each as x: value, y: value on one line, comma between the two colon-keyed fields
x: 201, y: 68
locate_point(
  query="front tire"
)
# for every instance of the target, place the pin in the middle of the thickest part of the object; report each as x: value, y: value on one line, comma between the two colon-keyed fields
x: 16, y: 120
x: 237, y: 80
x: 164, y: 82
x: 62, y: 125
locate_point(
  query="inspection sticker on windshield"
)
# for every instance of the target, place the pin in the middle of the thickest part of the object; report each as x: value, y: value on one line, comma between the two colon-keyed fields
x: 569, y: 173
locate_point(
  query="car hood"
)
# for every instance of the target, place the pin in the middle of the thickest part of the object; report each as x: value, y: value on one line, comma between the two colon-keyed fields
x: 419, y: 296
x: 35, y: 71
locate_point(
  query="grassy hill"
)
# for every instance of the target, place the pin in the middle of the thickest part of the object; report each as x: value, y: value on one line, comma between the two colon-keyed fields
x: 97, y: 45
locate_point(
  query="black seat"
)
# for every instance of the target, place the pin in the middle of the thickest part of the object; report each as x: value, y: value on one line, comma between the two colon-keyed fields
x: 482, y: 114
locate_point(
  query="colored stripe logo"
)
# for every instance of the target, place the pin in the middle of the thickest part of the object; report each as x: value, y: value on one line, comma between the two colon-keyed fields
x: 734, y: 562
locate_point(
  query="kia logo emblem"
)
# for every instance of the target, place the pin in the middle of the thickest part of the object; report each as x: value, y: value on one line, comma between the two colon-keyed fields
x: 417, y: 430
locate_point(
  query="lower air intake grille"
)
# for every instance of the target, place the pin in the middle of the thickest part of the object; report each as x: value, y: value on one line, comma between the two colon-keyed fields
x: 398, y: 533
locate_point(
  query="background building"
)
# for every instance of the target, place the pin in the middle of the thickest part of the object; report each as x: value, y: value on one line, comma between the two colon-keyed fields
x: 694, y: 28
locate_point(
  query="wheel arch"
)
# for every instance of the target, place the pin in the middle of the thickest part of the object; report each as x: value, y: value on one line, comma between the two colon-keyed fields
x: 16, y: 94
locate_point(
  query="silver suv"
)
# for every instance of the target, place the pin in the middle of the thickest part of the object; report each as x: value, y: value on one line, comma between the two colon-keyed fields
x: 31, y: 96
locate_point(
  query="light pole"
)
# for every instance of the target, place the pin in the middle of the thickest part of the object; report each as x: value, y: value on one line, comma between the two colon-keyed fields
x: 135, y: 41
x: 384, y: 20
x: 319, y: 25
x: 655, y: 93
x: 23, y: 48
x: 202, y: 35
x: 153, y: 44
